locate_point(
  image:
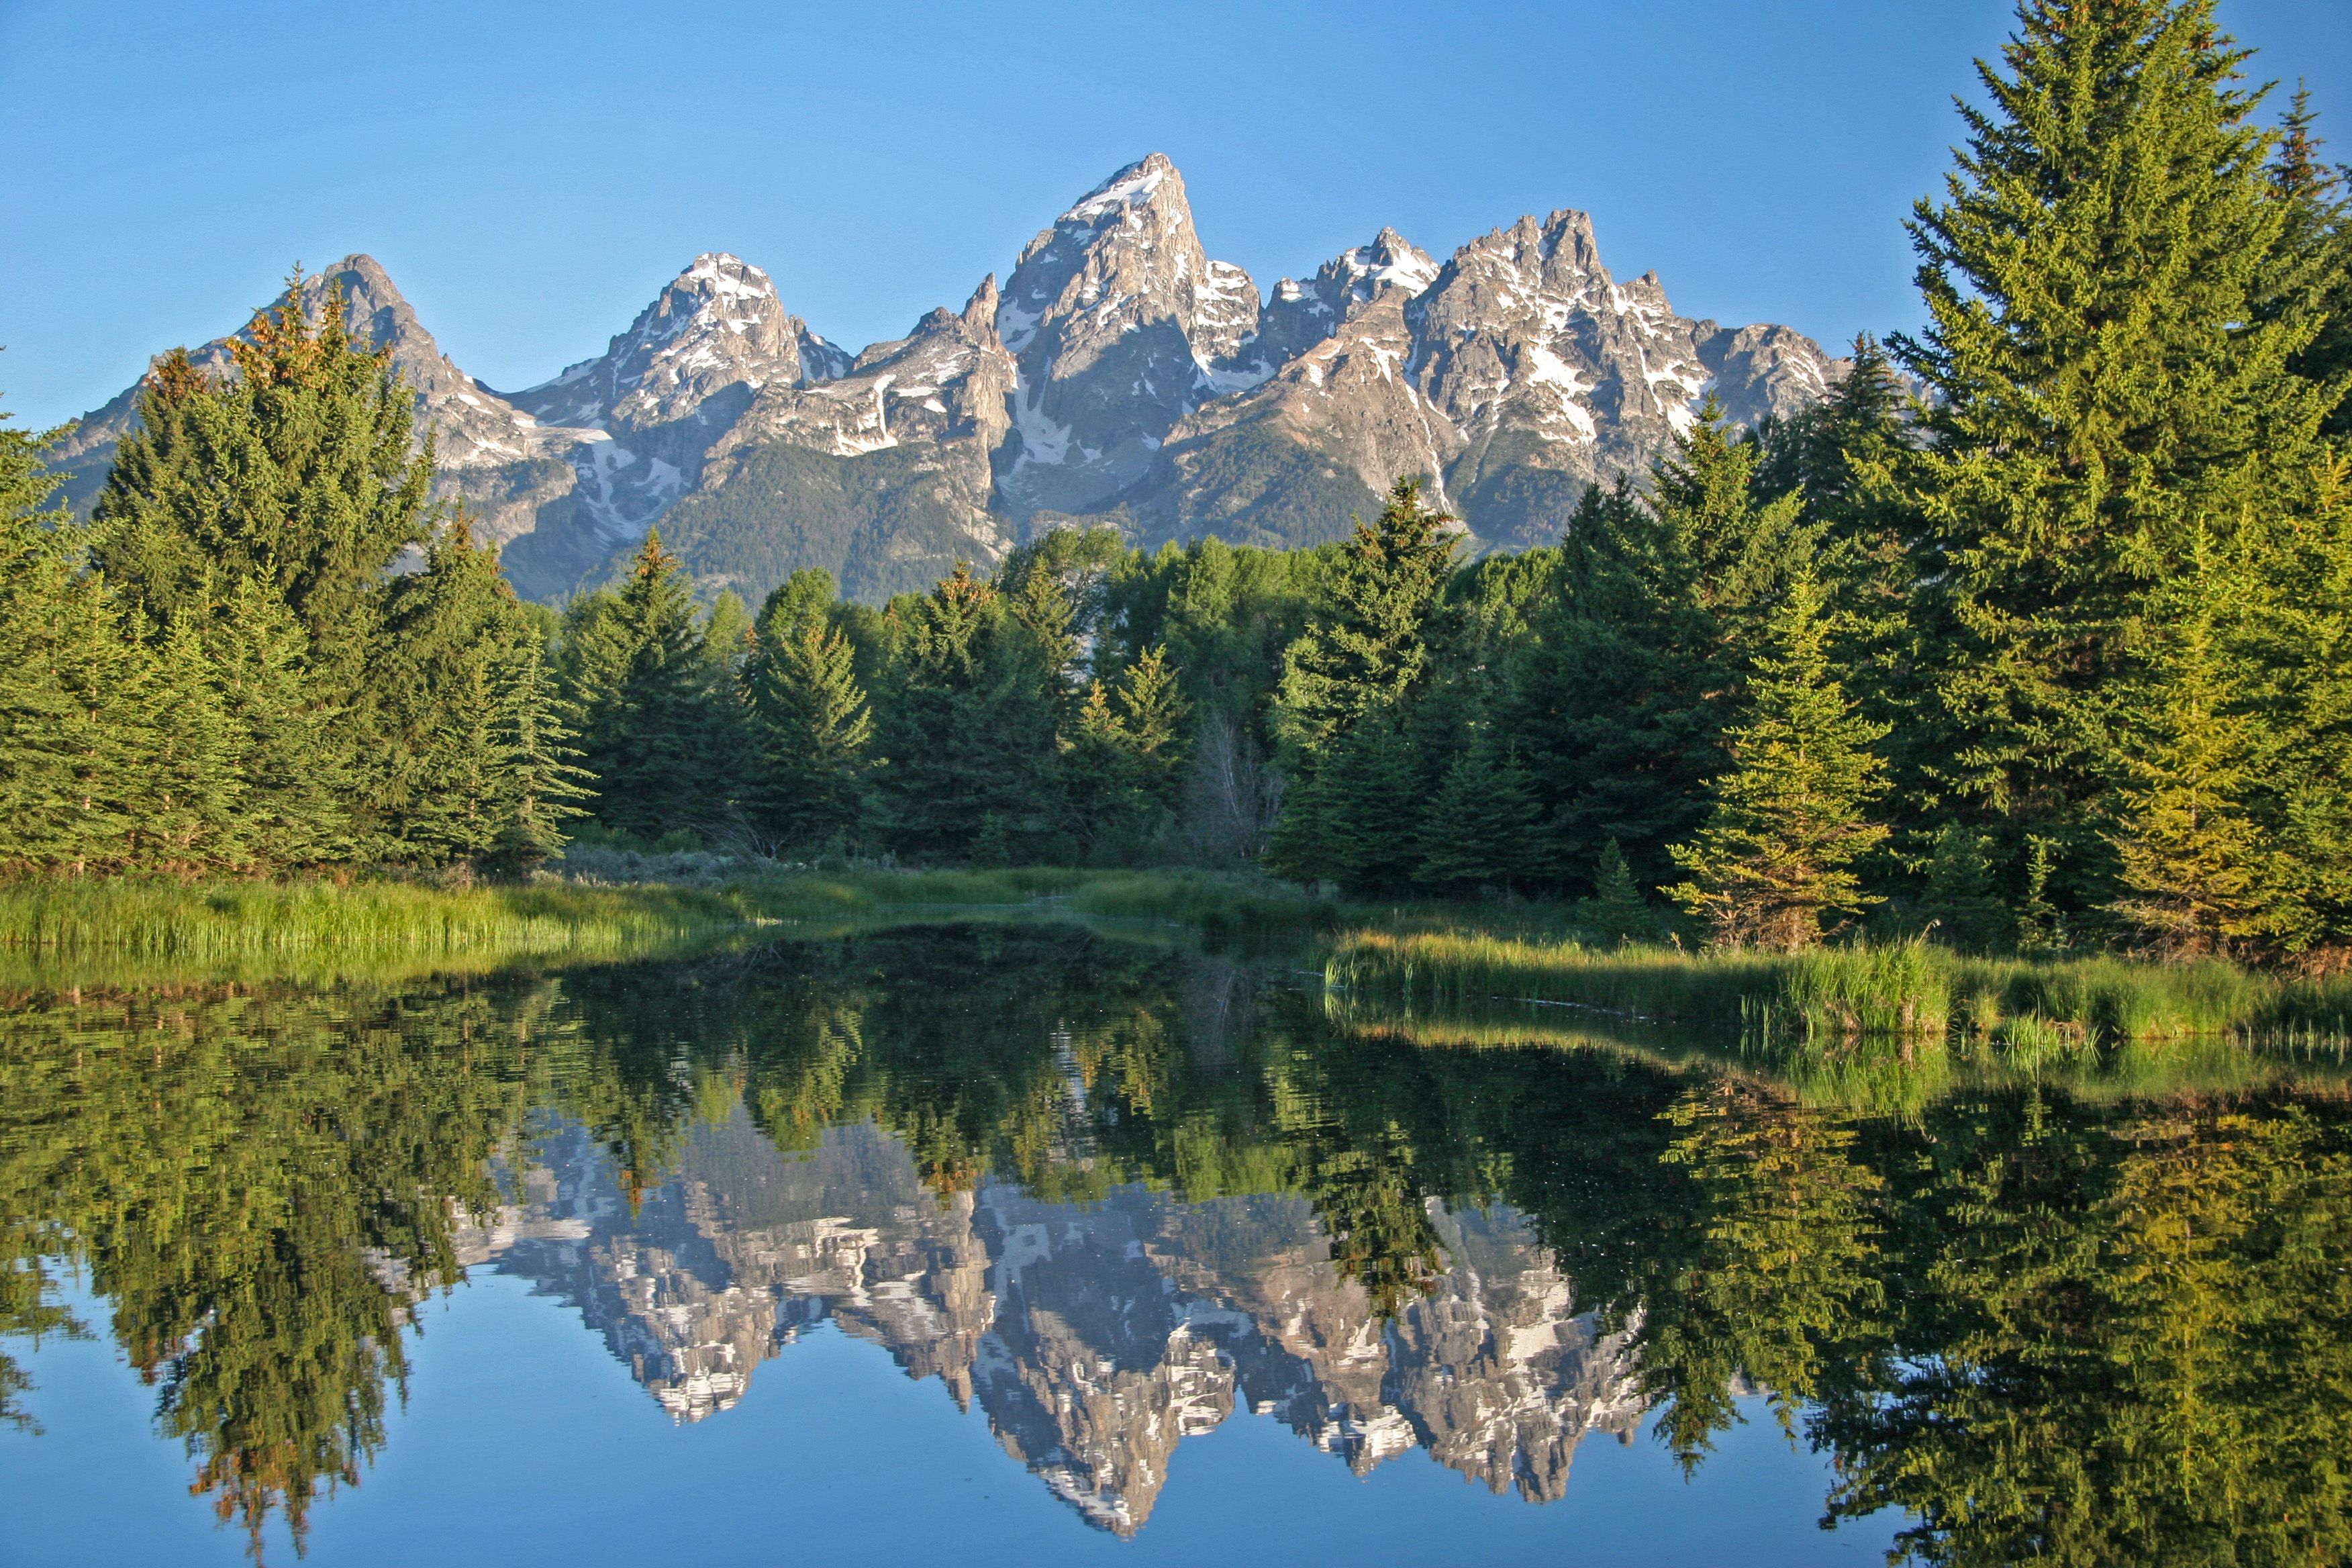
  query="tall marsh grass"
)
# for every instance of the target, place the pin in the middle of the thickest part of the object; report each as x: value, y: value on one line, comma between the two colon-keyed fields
x: 1900, y: 991
x: 252, y: 921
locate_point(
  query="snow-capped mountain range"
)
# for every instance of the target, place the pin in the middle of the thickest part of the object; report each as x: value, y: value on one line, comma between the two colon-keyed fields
x: 1120, y: 374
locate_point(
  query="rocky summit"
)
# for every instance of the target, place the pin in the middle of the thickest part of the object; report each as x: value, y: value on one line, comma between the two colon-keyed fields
x: 1121, y: 374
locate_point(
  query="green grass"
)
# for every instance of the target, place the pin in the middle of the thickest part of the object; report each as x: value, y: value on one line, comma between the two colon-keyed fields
x: 271, y: 920
x: 1903, y: 991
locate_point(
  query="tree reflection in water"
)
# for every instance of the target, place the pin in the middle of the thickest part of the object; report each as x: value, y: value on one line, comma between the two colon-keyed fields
x: 1110, y: 1193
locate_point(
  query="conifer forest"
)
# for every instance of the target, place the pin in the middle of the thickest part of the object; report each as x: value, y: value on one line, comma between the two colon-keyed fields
x: 2036, y: 635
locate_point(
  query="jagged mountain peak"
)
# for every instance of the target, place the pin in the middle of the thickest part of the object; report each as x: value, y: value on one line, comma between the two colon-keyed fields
x: 1120, y: 325
x: 717, y: 326
x: 1148, y: 182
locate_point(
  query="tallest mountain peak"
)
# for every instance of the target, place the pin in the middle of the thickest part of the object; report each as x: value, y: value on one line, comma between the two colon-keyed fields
x: 1153, y: 181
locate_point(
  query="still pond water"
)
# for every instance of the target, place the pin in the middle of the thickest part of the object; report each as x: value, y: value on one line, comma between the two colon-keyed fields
x: 1028, y: 1244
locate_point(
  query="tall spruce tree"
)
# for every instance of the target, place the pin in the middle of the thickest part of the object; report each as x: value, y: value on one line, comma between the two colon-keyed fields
x: 2115, y: 315
x: 638, y: 675
x: 1360, y: 659
x: 2190, y: 854
x: 71, y: 735
x: 1618, y: 698
x: 297, y: 786
x: 298, y: 469
x: 1125, y: 752
x: 1777, y: 853
x: 1482, y: 825
x: 970, y: 714
x: 812, y: 735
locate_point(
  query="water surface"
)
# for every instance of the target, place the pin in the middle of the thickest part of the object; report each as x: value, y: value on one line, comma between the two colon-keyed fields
x: 1028, y: 1244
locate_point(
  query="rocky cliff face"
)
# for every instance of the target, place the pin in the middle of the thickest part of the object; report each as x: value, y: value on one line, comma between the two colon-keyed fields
x: 1122, y: 374
x: 1095, y: 1338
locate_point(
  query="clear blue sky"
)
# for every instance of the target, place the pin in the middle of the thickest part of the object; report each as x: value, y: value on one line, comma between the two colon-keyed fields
x: 531, y: 176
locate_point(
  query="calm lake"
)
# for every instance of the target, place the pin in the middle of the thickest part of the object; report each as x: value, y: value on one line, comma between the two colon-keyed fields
x: 1029, y: 1243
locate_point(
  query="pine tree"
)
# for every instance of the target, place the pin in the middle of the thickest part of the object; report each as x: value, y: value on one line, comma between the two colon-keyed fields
x: 300, y: 471
x: 2319, y: 238
x: 454, y: 637
x: 811, y: 734
x: 1789, y: 821
x: 1958, y: 894
x: 185, y: 796
x: 1357, y: 819
x: 2114, y: 323
x: 1369, y: 643
x: 1619, y: 699
x: 638, y: 676
x: 69, y: 740
x: 971, y: 715
x: 1482, y: 825
x: 1125, y: 756
x: 1358, y: 664
x: 294, y: 809
x: 1616, y: 912
x: 542, y: 785
x: 2191, y: 855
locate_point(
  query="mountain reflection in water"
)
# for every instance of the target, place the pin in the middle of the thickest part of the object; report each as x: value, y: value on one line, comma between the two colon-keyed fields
x: 1109, y: 1193
x: 1094, y: 1336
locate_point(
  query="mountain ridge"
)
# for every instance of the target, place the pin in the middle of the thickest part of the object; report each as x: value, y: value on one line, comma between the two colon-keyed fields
x: 1120, y: 374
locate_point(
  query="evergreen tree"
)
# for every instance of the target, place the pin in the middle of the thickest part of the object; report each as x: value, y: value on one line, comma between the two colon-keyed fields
x: 1959, y: 895
x: 295, y: 806
x: 811, y: 735
x: 1482, y: 824
x: 2190, y: 856
x: 1619, y: 697
x: 1125, y: 753
x: 2116, y: 311
x: 1357, y: 819
x: 300, y: 470
x: 970, y: 716
x: 2319, y: 237
x: 184, y: 797
x: 1616, y: 912
x: 1369, y: 643
x: 460, y: 654
x: 637, y: 673
x: 1359, y: 661
x: 69, y: 733
x: 542, y: 785
x: 1789, y: 820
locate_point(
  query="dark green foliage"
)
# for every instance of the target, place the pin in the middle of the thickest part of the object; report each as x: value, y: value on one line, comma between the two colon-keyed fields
x: 1370, y: 642
x: 1618, y: 698
x: 1617, y: 912
x: 297, y: 471
x: 811, y: 731
x: 237, y: 678
x: 2116, y: 309
x: 1958, y: 894
x: 1775, y: 855
x: 654, y: 728
x: 1482, y: 825
x: 1122, y: 769
x: 973, y: 703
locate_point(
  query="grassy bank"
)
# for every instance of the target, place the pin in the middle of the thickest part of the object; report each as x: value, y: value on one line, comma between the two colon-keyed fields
x: 261, y: 921
x: 1907, y: 991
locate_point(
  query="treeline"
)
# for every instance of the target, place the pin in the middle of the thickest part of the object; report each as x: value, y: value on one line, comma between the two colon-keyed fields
x: 2037, y: 633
